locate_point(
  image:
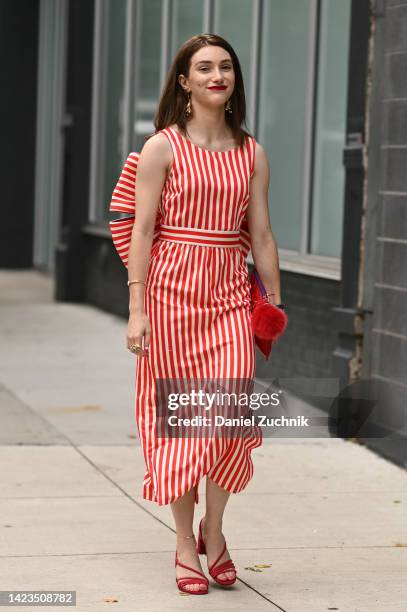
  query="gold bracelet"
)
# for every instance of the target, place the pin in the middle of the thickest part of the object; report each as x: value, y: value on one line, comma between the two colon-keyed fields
x: 135, y: 281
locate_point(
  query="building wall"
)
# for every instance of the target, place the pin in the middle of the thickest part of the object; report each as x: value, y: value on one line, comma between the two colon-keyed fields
x: 385, y: 279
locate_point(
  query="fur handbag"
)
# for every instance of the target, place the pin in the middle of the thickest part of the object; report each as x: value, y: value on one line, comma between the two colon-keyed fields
x: 268, y: 321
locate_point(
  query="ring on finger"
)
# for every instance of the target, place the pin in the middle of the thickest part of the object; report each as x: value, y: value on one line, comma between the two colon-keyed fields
x: 136, y: 348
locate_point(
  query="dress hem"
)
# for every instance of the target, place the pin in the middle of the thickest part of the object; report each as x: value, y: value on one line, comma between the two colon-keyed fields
x: 154, y: 498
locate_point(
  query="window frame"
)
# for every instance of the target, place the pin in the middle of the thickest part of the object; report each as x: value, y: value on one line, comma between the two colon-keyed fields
x: 300, y: 261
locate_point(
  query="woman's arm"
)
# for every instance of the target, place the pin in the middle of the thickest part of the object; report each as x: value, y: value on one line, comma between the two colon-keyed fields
x: 263, y: 244
x: 154, y: 160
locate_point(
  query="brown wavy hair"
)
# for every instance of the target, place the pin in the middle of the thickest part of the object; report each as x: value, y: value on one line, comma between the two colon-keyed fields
x: 171, y: 107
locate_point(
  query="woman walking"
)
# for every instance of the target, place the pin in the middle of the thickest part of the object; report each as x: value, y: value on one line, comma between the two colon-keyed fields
x: 198, y: 177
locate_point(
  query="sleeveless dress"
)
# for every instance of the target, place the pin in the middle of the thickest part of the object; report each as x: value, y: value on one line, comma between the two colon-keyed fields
x: 197, y: 299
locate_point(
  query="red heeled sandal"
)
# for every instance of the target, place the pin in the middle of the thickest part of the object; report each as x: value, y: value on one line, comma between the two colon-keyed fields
x: 182, y: 581
x: 214, y: 570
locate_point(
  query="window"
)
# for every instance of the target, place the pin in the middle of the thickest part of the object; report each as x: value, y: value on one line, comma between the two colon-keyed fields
x: 237, y: 22
x: 284, y: 111
x: 330, y: 123
x: 107, y: 104
x: 147, y: 67
x: 302, y: 111
x: 158, y: 30
x: 294, y: 57
x: 187, y: 20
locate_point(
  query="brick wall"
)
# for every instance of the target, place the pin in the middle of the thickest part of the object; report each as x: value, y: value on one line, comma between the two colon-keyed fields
x: 386, y: 240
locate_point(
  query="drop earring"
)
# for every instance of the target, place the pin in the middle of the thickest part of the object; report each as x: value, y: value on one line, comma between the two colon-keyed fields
x: 228, y: 106
x: 188, y: 109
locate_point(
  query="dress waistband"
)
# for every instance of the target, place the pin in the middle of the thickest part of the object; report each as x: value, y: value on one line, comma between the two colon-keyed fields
x: 192, y: 235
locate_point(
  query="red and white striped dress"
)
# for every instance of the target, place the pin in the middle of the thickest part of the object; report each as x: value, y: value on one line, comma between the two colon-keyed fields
x: 197, y: 299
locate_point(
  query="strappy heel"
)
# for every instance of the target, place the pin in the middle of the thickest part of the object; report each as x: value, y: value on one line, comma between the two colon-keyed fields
x: 214, y: 570
x: 182, y: 581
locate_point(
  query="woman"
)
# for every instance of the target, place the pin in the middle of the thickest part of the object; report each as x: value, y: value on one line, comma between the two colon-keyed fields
x: 197, y: 176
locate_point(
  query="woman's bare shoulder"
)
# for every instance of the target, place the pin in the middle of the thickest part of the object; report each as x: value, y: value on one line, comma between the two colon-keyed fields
x: 261, y: 162
x: 158, y: 149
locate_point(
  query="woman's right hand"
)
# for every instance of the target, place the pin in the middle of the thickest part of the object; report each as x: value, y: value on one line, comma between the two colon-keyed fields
x: 138, y: 328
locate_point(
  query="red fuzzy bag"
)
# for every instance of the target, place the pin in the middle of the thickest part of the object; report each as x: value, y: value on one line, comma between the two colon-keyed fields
x: 268, y: 321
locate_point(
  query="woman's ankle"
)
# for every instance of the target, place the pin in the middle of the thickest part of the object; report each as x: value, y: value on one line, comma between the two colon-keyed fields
x: 211, y: 526
x: 185, y: 544
x: 184, y: 536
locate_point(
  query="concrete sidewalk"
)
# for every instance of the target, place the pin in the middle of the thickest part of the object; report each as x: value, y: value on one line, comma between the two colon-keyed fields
x: 327, y: 516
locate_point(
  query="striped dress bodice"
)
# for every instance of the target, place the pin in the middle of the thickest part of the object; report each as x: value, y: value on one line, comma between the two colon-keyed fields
x: 206, y: 189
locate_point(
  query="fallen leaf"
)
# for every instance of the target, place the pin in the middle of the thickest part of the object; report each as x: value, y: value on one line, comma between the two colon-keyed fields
x: 263, y: 565
x: 403, y: 544
x: 252, y: 569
